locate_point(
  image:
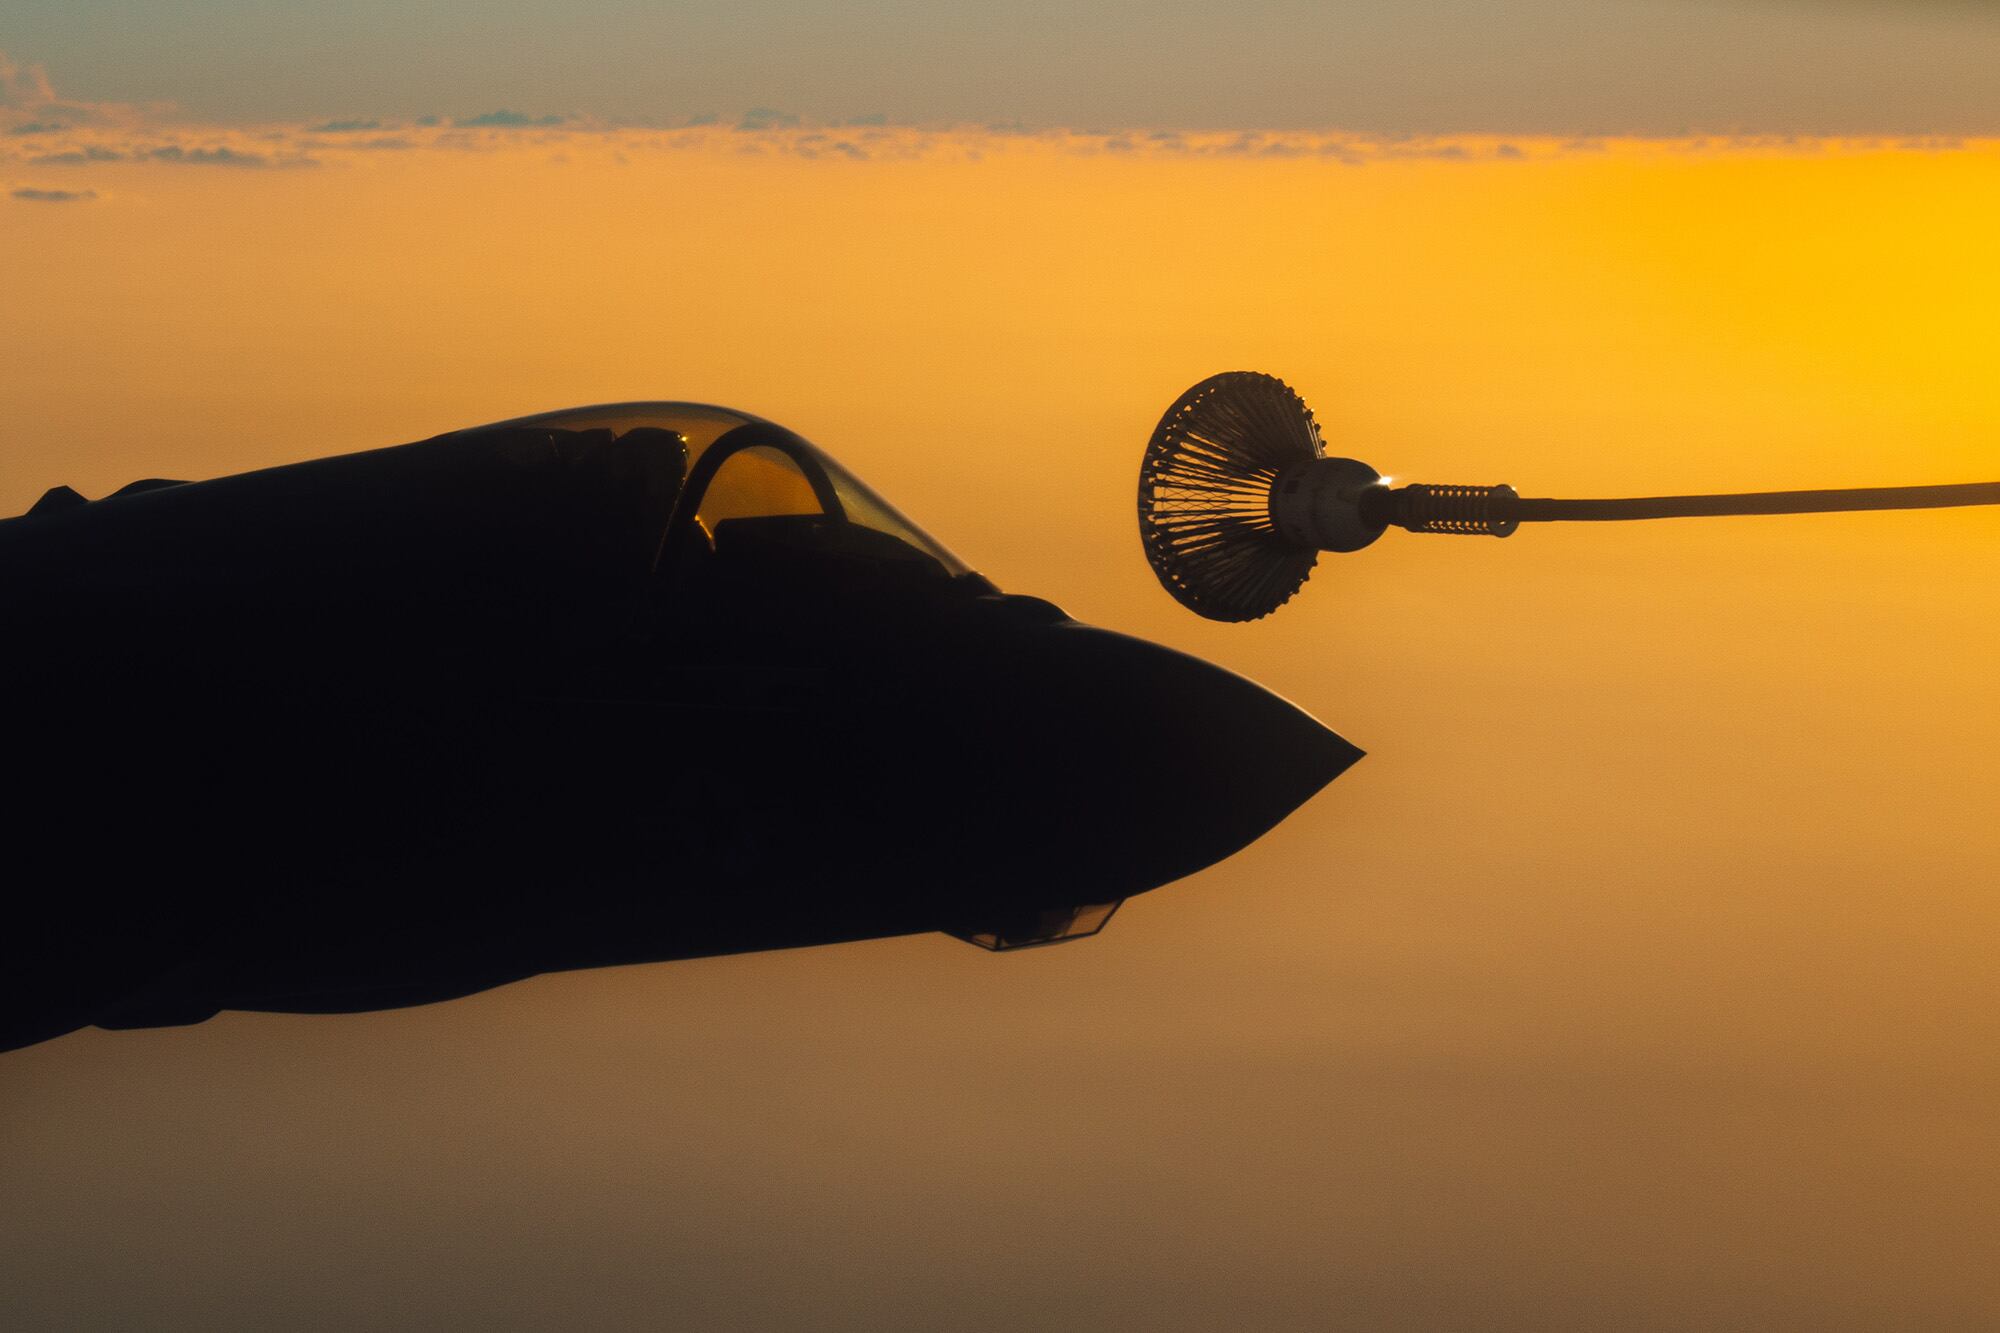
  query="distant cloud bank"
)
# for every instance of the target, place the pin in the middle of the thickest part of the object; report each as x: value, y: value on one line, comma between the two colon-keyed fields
x: 38, y: 129
x: 292, y: 147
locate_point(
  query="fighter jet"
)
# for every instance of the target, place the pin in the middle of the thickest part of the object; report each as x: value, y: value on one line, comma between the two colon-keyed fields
x: 609, y: 685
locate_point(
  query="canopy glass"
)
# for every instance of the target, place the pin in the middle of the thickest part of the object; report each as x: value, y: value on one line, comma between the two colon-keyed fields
x: 767, y: 472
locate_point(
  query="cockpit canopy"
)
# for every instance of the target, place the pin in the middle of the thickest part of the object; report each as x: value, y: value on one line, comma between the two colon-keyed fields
x: 529, y: 550
x: 740, y: 469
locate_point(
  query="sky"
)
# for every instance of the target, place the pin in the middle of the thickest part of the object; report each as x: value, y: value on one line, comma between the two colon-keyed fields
x: 1644, y: 974
x: 1381, y: 66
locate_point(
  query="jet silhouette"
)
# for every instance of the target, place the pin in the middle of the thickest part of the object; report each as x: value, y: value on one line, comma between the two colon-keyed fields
x: 610, y: 685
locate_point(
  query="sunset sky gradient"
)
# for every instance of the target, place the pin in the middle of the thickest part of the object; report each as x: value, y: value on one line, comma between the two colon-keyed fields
x: 1646, y: 973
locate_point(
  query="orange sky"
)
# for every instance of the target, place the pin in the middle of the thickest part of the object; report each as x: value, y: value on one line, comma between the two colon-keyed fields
x: 1644, y: 971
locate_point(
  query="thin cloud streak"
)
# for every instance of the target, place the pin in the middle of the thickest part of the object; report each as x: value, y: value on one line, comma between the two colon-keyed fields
x: 35, y: 195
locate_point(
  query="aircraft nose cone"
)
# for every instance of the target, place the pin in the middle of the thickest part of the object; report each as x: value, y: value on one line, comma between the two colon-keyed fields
x: 1162, y: 764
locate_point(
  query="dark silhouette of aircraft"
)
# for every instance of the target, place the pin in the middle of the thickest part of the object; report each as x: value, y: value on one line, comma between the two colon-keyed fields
x: 610, y: 685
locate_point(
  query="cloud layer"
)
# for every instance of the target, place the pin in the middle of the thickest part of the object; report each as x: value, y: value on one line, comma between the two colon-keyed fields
x: 40, y: 131
x: 291, y: 147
